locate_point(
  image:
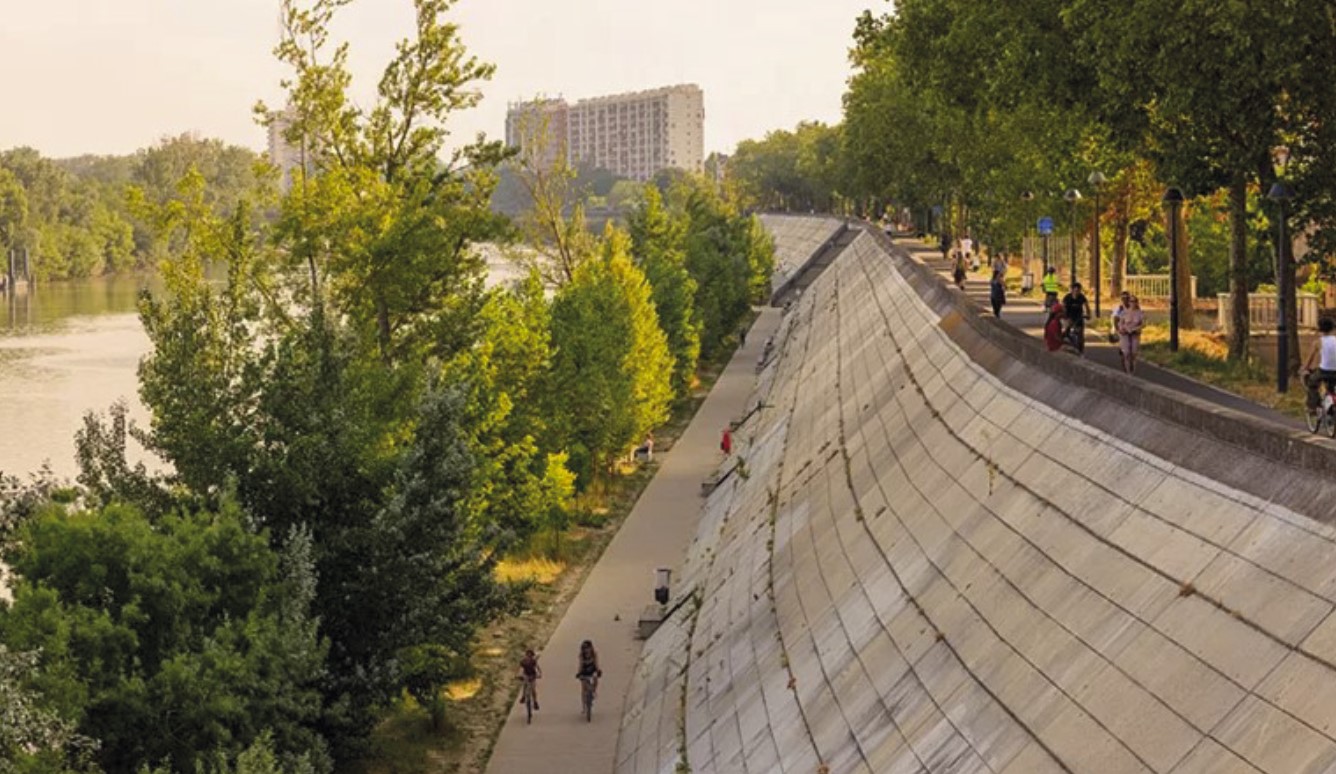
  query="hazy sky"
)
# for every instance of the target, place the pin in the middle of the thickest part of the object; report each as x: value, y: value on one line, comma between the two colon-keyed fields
x: 110, y: 76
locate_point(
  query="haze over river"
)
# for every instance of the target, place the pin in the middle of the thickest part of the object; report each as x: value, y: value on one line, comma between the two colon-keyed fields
x: 65, y: 349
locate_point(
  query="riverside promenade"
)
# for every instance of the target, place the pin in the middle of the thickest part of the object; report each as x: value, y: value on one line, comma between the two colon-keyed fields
x: 655, y: 534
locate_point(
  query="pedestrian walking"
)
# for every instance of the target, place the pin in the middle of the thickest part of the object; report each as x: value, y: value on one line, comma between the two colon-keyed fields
x: 958, y: 271
x: 1000, y: 265
x: 726, y: 442
x: 1130, y: 323
x: 997, y: 293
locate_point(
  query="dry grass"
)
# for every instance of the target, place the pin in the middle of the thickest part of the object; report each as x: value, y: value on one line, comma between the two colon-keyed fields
x: 534, y: 569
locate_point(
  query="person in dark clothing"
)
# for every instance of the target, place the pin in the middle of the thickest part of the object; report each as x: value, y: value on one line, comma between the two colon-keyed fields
x: 997, y: 293
x: 1077, y: 310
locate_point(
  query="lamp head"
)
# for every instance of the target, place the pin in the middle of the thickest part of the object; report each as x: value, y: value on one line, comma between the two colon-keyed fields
x: 1173, y: 197
x: 1073, y: 196
x: 1280, y: 193
x: 1097, y: 179
x: 1027, y: 196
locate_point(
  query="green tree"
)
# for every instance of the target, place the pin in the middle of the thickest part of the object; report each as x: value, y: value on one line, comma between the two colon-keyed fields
x: 317, y: 382
x: 166, y: 640
x: 611, y: 368
x: 657, y: 237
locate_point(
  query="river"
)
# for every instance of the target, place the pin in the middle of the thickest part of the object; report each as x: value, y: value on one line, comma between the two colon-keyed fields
x: 65, y: 349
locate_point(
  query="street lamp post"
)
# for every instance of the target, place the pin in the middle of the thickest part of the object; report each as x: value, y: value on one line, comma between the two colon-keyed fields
x: 1281, y: 195
x: 1173, y: 202
x: 1073, y: 196
x: 1096, y: 180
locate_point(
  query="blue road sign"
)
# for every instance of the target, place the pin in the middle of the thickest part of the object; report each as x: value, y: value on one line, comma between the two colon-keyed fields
x: 1045, y: 226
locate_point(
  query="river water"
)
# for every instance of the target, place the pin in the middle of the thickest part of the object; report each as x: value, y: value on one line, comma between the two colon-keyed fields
x: 65, y: 349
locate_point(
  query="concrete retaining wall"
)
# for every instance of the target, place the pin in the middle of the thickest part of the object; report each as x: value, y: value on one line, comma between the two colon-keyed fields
x: 798, y: 240
x: 944, y: 554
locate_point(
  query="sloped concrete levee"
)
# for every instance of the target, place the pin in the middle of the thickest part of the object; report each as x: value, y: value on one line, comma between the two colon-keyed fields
x: 799, y: 240
x: 940, y: 554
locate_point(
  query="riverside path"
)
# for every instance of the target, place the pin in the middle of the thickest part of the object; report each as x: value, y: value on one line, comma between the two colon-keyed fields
x: 655, y: 534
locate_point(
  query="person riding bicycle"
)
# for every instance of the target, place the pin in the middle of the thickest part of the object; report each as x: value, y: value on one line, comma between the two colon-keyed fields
x: 530, y: 671
x: 1077, y: 311
x: 589, y: 665
x: 1050, y: 285
x: 1323, y: 355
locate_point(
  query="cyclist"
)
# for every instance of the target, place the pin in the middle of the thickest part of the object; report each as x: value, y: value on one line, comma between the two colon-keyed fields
x: 1077, y: 310
x: 530, y: 671
x: 1324, y: 356
x: 1050, y: 285
x: 589, y: 666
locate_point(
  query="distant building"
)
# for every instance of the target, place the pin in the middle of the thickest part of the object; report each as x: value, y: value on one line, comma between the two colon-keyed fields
x: 282, y: 154
x: 539, y: 126
x: 631, y: 135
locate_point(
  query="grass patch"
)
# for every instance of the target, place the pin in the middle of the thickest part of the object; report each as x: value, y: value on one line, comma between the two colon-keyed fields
x: 533, y: 569
x: 1205, y: 357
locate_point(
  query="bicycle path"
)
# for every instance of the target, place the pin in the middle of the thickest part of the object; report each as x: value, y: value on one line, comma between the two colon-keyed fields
x: 1027, y: 315
x: 655, y: 534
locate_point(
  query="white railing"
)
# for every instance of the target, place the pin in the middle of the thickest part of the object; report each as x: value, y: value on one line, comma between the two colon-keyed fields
x: 1262, y: 311
x: 1152, y: 285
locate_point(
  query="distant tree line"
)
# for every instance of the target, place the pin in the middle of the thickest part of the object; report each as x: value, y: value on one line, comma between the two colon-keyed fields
x: 84, y: 216
x: 357, y: 432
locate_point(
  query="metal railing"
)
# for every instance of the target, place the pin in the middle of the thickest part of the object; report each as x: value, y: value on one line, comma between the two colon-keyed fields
x: 1152, y: 285
x: 1262, y: 311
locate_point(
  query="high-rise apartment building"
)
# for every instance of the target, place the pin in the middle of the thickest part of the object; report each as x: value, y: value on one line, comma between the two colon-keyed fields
x: 631, y: 135
x: 283, y: 154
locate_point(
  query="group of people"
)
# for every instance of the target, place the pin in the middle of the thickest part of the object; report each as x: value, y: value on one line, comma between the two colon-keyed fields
x: 964, y: 258
x: 1065, y: 323
x: 587, y: 669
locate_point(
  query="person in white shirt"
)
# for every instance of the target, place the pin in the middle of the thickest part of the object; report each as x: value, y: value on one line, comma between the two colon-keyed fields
x: 1323, y: 354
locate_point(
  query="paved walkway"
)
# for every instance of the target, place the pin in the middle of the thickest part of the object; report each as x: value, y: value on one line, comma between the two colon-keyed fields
x: 1027, y: 315
x: 655, y: 534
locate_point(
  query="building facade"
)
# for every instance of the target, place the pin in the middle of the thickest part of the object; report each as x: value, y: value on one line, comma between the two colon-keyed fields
x: 631, y: 135
x: 282, y: 153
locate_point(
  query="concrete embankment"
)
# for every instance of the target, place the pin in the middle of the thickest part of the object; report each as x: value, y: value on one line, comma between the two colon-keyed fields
x: 948, y: 551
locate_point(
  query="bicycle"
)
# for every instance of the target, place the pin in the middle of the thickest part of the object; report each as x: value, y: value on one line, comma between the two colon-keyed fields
x: 528, y: 699
x: 1322, y: 417
x: 587, y: 690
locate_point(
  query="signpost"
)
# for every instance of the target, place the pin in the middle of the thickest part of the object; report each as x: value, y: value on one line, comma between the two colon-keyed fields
x: 1045, y: 227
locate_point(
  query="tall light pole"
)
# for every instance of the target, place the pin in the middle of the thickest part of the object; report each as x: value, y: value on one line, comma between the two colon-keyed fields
x: 1281, y: 195
x: 1096, y: 180
x: 1072, y: 197
x: 1173, y: 202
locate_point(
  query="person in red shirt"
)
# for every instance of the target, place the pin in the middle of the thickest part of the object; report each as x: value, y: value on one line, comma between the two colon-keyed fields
x: 726, y: 442
x: 1053, y: 328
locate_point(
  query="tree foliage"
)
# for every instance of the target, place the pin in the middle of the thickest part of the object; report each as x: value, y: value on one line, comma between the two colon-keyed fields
x: 167, y: 640
x: 611, y: 367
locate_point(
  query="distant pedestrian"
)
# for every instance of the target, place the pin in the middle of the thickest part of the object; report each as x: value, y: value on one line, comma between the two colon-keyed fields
x: 1130, y: 323
x: 1000, y: 265
x: 997, y: 293
x: 958, y: 271
x: 726, y: 442
x: 1123, y: 299
x: 742, y: 335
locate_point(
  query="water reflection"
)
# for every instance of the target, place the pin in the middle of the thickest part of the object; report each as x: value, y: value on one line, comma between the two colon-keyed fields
x: 65, y: 349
